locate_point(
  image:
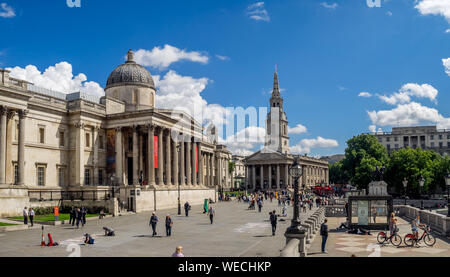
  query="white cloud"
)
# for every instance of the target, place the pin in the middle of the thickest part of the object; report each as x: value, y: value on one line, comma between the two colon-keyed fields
x: 446, y: 63
x: 329, y: 6
x: 6, y: 11
x: 222, y: 58
x: 372, y: 128
x: 305, y: 145
x: 411, y: 90
x: 58, y: 77
x: 162, y: 58
x: 365, y: 94
x: 258, y: 12
x: 299, y: 129
x: 434, y: 7
x: 244, y: 141
x: 447, y: 31
x: 389, y: 13
x: 409, y: 115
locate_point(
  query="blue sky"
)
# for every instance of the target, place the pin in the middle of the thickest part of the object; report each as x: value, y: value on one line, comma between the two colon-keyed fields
x: 327, y: 53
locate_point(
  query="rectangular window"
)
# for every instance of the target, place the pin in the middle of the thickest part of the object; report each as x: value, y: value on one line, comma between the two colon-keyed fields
x: 432, y: 144
x: 41, y: 135
x: 16, y: 174
x: 61, y: 176
x: 100, y: 177
x: 448, y: 144
x: 87, y: 177
x: 448, y: 136
x: 61, y: 139
x: 100, y: 142
x: 388, y: 139
x: 396, y: 139
x: 41, y: 176
x: 441, y: 144
x: 88, y: 140
x: 440, y: 137
x: 431, y: 137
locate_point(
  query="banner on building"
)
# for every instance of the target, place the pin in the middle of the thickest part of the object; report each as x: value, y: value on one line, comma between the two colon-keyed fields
x: 156, y: 151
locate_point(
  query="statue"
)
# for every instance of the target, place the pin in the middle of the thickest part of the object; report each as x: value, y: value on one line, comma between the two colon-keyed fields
x: 378, y: 174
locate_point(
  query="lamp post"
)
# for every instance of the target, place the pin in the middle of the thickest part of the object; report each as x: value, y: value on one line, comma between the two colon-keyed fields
x: 405, y: 184
x: 179, y: 190
x: 296, y: 172
x: 421, y: 183
x: 447, y: 182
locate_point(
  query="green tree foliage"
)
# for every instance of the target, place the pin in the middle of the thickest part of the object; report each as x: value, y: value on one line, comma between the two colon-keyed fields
x: 362, y: 155
x: 337, y: 174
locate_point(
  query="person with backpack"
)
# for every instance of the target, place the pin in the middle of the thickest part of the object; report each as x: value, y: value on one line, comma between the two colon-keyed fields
x: 273, y: 221
x: 187, y: 207
x: 260, y: 205
x: 324, y: 234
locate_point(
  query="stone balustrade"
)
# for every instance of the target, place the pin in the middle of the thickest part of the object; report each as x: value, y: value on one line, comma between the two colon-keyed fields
x: 439, y: 223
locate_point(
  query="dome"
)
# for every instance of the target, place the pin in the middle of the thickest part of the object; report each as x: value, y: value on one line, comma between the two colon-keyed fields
x: 130, y: 73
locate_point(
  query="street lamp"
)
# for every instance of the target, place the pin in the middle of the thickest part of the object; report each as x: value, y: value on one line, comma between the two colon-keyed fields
x: 421, y: 183
x: 179, y: 190
x: 405, y: 184
x: 296, y: 172
x: 447, y: 182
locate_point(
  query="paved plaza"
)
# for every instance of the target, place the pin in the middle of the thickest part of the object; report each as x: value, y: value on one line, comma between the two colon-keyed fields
x: 236, y: 232
x: 341, y: 244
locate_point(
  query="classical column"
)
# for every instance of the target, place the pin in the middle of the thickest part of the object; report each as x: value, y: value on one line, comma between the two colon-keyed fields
x: 141, y: 155
x: 188, y: 161
x: 151, y: 155
x: 270, y: 176
x: 211, y: 171
x: 168, y: 159
x: 182, y: 162
x: 207, y: 179
x: 254, y: 176
x: 79, y: 160
x: 3, y: 122
x: 194, y: 164
x: 21, y: 149
x: 278, y: 177
x: 261, y: 173
x: 286, y: 176
x: 160, y: 158
x: 119, y: 156
x: 135, y: 157
x: 96, y: 142
x: 175, y: 166
x: 200, y: 164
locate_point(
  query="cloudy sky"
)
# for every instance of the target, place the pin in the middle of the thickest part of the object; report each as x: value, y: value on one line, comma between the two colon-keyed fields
x: 345, y: 67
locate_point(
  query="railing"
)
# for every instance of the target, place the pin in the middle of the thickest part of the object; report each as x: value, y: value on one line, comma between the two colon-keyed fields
x: 335, y: 211
x: 57, y: 195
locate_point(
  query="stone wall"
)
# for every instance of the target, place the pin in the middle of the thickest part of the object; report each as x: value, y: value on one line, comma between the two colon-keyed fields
x: 13, y: 201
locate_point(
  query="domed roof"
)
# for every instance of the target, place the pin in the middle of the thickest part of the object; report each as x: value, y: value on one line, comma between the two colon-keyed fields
x: 130, y: 73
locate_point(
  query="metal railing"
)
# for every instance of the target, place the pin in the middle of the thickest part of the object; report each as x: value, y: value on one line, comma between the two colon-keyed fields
x: 58, y: 195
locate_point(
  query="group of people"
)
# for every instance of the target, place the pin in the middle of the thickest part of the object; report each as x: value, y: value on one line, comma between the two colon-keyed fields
x: 28, y: 214
x: 78, y: 215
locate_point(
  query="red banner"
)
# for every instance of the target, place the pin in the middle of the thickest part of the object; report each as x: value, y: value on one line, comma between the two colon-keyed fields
x: 196, y: 158
x: 156, y: 151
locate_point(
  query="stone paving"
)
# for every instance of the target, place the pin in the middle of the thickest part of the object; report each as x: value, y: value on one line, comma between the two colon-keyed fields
x: 341, y: 244
x: 236, y: 232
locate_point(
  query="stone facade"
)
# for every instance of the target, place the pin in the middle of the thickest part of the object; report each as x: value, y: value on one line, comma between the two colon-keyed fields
x: 425, y: 137
x: 268, y: 169
x: 78, y: 142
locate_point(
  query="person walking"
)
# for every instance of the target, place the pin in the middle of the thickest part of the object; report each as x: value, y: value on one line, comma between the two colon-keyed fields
x: 374, y: 215
x: 31, y: 214
x: 392, y: 224
x: 83, y: 216
x: 187, y: 207
x: 25, y: 216
x: 178, y: 252
x: 260, y: 205
x: 211, y: 213
x: 79, y: 218
x: 153, y: 222
x: 75, y: 216
x: 72, y: 215
x: 273, y: 222
x: 169, y: 224
x: 324, y: 234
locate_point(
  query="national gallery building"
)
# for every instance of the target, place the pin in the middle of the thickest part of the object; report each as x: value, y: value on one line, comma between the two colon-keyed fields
x: 118, y: 148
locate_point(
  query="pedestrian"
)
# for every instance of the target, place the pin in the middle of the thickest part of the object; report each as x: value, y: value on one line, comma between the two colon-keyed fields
x: 83, y: 216
x: 212, y: 213
x: 25, y: 216
x: 169, y: 224
x: 75, y: 216
x: 324, y: 234
x: 260, y: 205
x: 153, y: 222
x: 374, y: 215
x: 79, y: 218
x: 71, y: 216
x: 178, y: 252
x: 273, y: 222
x: 31, y: 214
x: 187, y: 207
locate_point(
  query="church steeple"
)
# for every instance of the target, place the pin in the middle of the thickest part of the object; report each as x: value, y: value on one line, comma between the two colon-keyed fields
x: 276, y: 86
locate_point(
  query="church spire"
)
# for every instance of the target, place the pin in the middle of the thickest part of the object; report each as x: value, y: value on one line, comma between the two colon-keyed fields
x: 276, y: 86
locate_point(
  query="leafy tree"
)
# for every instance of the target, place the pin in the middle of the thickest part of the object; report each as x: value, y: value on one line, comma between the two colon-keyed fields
x: 337, y: 174
x: 362, y: 155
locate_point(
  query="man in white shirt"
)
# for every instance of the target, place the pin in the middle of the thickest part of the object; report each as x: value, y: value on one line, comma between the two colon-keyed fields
x: 25, y: 216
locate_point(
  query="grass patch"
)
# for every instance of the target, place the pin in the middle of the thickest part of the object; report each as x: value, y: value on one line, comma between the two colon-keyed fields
x: 51, y: 217
x: 7, y: 224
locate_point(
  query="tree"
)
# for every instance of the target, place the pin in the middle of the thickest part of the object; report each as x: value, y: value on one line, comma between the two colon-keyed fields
x: 337, y: 174
x: 362, y: 155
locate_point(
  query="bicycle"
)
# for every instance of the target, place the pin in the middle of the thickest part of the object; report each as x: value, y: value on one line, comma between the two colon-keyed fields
x: 395, y: 239
x: 427, y: 237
